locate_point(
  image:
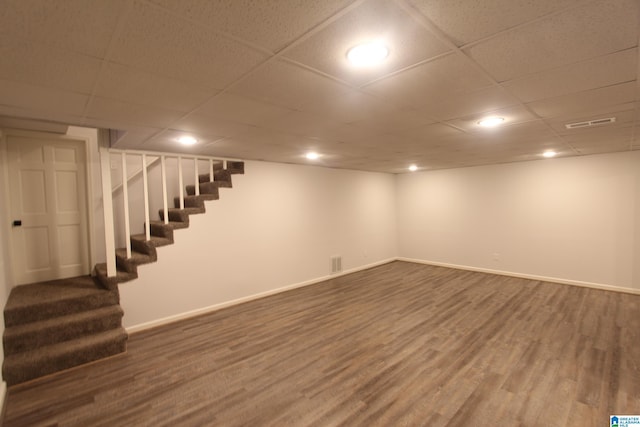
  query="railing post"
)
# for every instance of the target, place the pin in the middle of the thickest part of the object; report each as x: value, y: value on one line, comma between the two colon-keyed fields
x: 180, y: 183
x: 125, y: 197
x: 164, y: 189
x: 145, y: 189
x: 107, y: 205
x: 210, y: 170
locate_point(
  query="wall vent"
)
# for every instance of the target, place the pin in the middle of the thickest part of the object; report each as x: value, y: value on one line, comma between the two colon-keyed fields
x: 590, y: 123
x: 336, y: 264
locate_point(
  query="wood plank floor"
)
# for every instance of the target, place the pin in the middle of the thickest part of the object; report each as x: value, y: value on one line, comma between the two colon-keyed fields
x: 400, y: 344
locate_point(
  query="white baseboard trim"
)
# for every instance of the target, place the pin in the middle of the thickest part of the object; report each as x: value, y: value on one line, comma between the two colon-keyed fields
x: 208, y: 309
x: 525, y: 276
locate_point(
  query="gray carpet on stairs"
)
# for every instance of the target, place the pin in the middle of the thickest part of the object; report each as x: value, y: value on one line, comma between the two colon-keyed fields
x: 56, y: 325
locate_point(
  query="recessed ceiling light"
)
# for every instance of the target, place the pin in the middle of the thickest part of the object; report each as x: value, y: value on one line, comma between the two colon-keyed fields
x: 489, y: 122
x: 312, y: 156
x: 367, y: 54
x: 187, y: 140
x: 549, y: 154
x: 413, y: 168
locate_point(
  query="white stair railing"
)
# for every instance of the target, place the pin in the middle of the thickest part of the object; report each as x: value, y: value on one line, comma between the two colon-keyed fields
x: 109, y: 193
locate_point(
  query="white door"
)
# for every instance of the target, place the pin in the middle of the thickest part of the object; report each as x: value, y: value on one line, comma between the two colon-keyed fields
x: 48, y: 207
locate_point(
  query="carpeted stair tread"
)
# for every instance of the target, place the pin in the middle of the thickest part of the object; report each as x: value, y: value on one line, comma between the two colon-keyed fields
x: 193, y: 201
x: 112, y: 282
x: 28, y: 365
x: 233, y: 167
x: 40, y: 301
x: 155, y: 241
x: 32, y: 335
x: 208, y: 188
x: 131, y: 264
x: 181, y: 215
x: 174, y: 225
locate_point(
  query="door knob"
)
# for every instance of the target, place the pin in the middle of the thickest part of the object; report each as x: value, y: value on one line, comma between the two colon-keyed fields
x: 17, y: 223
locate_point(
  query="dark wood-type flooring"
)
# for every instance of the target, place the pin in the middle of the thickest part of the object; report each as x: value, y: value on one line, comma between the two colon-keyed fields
x: 400, y: 344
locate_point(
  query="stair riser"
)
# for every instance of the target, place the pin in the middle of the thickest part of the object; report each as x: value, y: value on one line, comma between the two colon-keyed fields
x: 18, y: 371
x: 16, y: 343
x: 52, y: 309
x: 232, y: 168
x: 145, y: 248
x: 161, y: 231
x: 131, y: 265
x: 181, y: 215
x: 192, y: 201
x: 208, y: 188
x: 176, y: 216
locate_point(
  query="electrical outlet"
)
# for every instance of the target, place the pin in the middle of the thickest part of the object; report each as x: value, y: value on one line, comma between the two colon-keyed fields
x: 496, y: 256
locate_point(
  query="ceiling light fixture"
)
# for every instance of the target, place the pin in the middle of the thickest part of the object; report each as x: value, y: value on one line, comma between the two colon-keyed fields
x: 490, y: 122
x: 413, y: 168
x: 549, y: 154
x: 312, y: 156
x: 367, y: 54
x: 187, y: 140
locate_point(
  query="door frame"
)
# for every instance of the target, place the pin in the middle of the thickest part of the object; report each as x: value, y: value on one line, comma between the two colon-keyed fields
x: 6, y: 200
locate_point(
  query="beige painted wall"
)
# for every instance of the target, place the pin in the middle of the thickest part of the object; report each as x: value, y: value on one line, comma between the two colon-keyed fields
x: 277, y: 227
x: 567, y: 218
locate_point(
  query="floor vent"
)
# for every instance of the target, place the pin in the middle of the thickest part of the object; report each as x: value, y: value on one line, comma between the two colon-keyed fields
x: 590, y: 123
x: 336, y: 264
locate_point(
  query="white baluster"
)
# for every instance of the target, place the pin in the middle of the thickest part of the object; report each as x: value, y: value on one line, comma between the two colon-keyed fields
x: 180, y: 182
x: 145, y: 185
x: 195, y: 173
x: 125, y: 199
x: 164, y: 188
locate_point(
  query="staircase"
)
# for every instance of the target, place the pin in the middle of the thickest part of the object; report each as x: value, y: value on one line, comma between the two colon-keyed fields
x: 56, y: 325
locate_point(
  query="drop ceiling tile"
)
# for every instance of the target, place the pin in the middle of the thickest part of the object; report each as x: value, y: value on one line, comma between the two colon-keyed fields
x: 623, y: 113
x: 348, y: 133
x: 396, y: 120
x: 240, y: 109
x: 288, y: 86
x: 69, y: 24
x: 270, y: 24
x: 465, y: 21
x: 602, y: 71
x: 434, y: 80
x: 167, y: 140
x: 351, y: 107
x: 41, y: 99
x: 124, y: 113
x: 136, y: 86
x: 378, y: 20
x: 134, y: 137
x: 304, y: 124
x: 573, y: 36
x: 204, y: 125
x: 44, y: 115
x: 433, y: 134
x: 42, y: 65
x: 600, y: 148
x: 158, y: 42
x: 584, y: 101
x: 522, y: 134
x: 477, y: 103
x: 512, y: 116
x: 602, y: 135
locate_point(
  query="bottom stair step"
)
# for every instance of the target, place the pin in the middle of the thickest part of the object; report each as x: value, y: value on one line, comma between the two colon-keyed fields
x: 34, y: 335
x: 28, y: 365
